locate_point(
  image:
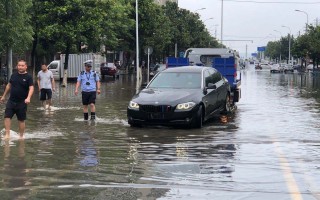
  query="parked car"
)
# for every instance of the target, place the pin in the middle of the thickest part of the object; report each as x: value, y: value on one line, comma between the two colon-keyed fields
x: 310, y: 67
x: 184, y: 95
x: 275, y: 68
x: 108, y: 69
x: 288, y: 68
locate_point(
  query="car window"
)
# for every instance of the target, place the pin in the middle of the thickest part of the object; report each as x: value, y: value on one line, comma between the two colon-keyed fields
x: 53, y: 66
x: 184, y: 80
x: 216, y: 77
x: 207, y: 78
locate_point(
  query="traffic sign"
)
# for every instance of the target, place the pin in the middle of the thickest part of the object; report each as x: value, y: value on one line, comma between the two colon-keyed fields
x: 148, y: 50
x: 261, y: 48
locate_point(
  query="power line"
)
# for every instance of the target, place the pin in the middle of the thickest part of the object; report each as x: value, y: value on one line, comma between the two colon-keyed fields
x: 273, y: 2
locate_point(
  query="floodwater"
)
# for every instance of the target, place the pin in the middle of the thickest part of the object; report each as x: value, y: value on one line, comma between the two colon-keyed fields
x: 268, y: 149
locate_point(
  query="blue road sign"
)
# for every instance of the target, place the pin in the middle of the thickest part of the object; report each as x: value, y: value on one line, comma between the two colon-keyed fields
x: 261, y: 48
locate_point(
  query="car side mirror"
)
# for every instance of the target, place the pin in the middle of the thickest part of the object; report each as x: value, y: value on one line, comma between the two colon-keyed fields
x: 212, y: 86
x: 205, y: 91
x: 144, y: 85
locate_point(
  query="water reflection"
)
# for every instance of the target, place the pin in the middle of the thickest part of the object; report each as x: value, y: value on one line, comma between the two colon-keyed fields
x: 14, y: 171
x: 86, y: 147
x: 183, y: 158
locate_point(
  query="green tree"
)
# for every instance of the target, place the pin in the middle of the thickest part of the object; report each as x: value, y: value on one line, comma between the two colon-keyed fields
x: 69, y: 23
x: 15, y: 29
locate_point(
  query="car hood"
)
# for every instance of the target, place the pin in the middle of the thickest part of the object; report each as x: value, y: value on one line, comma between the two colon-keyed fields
x: 167, y: 96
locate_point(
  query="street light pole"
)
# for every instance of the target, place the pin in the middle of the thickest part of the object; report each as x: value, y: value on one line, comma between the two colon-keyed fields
x: 137, y: 50
x: 289, y: 38
x: 307, y: 17
x: 221, y: 37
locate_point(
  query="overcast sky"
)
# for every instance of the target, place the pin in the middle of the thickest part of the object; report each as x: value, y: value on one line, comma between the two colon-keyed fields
x: 254, y: 20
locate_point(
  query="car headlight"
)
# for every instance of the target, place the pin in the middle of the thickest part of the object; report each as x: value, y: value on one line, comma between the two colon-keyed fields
x: 133, y: 105
x: 185, y: 106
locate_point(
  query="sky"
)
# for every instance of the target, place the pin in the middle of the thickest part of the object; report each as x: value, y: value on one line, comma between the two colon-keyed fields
x: 252, y: 23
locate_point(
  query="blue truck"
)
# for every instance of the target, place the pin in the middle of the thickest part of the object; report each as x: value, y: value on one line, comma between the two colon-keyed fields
x: 226, y: 61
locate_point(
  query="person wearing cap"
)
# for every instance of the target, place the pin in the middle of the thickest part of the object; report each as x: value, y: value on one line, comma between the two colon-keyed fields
x: 90, y: 86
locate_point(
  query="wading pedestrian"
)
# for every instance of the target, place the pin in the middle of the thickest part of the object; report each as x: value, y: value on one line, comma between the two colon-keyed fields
x: 90, y: 85
x: 21, y: 89
x: 46, y: 86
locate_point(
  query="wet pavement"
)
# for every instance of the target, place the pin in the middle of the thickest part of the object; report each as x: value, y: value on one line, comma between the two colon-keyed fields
x: 268, y: 149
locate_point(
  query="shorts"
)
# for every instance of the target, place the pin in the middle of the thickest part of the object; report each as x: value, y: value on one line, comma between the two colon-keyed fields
x: 20, y: 109
x: 88, y: 98
x: 45, y: 94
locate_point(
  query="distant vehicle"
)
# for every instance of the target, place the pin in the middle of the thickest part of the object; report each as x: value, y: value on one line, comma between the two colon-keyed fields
x: 288, y: 68
x: 275, y: 68
x: 257, y: 66
x: 185, y: 95
x: 108, y: 69
x: 75, y: 65
x: 265, y: 66
x: 310, y: 67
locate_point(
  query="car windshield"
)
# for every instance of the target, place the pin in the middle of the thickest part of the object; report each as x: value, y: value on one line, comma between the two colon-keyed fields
x: 183, y: 80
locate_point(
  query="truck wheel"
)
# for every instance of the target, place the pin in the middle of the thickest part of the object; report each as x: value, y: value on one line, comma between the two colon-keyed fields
x: 227, y: 105
x: 198, y: 120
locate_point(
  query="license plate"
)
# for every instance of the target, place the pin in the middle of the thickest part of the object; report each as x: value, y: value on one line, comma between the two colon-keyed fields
x: 156, y: 116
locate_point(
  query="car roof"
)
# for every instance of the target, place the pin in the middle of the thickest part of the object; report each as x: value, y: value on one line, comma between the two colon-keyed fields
x: 186, y: 69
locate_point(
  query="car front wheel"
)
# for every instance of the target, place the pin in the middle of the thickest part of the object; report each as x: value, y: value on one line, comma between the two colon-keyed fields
x: 198, y: 120
x: 227, y: 104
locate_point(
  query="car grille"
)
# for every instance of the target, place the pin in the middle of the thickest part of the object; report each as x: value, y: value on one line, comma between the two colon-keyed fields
x: 156, y: 109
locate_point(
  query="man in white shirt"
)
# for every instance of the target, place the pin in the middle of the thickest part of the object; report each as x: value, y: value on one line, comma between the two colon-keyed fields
x: 46, y: 85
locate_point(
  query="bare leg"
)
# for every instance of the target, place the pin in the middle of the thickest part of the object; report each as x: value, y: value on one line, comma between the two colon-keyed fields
x: 44, y: 104
x: 22, y: 127
x: 7, y: 126
x: 92, y: 107
x: 85, y: 108
x: 49, y: 104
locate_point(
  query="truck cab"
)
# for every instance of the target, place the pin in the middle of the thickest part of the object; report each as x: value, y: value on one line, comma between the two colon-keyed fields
x: 54, y: 67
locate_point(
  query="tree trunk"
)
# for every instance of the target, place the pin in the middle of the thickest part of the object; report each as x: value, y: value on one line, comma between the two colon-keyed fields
x: 65, y: 70
x: 34, y: 55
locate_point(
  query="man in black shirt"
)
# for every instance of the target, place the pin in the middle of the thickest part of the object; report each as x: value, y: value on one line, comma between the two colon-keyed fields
x: 21, y: 89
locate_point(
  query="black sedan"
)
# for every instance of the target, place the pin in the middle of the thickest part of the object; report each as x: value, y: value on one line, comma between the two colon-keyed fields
x: 187, y: 95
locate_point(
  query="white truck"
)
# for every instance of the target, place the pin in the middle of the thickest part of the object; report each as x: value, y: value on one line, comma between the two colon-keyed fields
x: 75, y: 65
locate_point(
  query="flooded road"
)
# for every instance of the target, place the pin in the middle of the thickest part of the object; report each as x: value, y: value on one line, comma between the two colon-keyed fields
x: 268, y: 149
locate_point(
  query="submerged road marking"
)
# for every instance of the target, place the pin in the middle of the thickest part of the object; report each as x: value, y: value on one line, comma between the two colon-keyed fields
x: 287, y: 173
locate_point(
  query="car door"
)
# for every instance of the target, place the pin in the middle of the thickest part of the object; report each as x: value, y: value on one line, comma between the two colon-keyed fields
x: 210, y: 98
x: 221, y: 85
